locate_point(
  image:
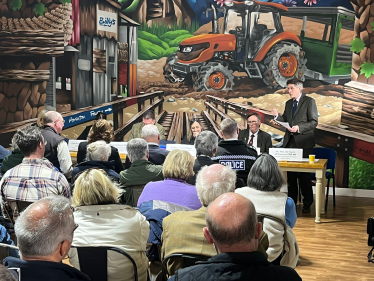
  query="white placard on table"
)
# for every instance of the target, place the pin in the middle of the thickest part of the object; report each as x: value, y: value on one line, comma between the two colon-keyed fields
x: 258, y: 149
x: 190, y: 148
x: 73, y: 144
x: 287, y: 154
x: 121, y: 146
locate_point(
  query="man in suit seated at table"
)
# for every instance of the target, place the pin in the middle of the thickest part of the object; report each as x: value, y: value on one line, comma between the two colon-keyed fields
x: 255, y: 137
x: 148, y: 118
x: 182, y: 231
x: 157, y: 155
x: 206, y: 145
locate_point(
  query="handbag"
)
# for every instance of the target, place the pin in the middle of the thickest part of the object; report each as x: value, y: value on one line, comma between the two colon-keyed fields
x: 370, y: 232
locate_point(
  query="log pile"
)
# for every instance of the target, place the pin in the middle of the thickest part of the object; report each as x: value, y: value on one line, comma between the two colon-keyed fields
x: 358, y: 108
x: 55, y: 28
x: 364, y: 11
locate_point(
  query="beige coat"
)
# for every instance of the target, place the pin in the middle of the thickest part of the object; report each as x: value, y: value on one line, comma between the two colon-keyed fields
x: 120, y: 226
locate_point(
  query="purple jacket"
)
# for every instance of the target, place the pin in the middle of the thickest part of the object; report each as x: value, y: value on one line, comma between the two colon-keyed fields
x: 173, y: 191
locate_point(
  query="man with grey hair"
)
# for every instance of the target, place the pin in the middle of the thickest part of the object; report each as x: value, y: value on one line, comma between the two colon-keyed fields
x: 206, y: 144
x: 211, y: 182
x: 35, y: 177
x: 233, y: 229
x: 44, y: 233
x: 255, y: 137
x: 233, y: 152
x: 141, y: 171
x: 97, y: 156
x: 157, y: 155
x: 56, y: 148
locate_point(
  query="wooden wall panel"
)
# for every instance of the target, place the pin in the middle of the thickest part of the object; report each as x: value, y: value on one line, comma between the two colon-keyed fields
x: 99, y: 60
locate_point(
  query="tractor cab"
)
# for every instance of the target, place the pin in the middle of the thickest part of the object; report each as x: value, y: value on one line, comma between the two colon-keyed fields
x: 253, y: 24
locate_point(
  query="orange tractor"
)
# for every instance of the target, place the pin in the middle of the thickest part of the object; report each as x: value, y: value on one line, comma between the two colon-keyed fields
x: 252, y: 40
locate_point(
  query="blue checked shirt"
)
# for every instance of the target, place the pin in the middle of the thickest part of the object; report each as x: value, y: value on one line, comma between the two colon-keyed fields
x: 32, y: 180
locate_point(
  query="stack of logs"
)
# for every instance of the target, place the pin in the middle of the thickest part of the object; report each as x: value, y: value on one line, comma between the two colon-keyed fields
x: 22, y: 100
x: 364, y: 11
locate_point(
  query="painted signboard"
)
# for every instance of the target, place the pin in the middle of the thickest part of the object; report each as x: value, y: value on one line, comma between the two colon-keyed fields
x: 85, y: 116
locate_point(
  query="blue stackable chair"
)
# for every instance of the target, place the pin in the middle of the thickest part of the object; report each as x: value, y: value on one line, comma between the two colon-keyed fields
x: 330, y: 155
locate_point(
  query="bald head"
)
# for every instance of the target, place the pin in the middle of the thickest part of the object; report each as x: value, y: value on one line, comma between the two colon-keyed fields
x: 214, y: 180
x: 231, y: 221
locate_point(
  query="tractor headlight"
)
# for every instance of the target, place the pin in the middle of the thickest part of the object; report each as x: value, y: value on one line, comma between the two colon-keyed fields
x: 249, y: 2
x: 187, y: 49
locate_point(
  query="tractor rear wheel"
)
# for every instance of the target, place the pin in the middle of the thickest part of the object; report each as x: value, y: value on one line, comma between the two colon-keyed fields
x: 168, y: 71
x: 283, y: 62
x: 214, y: 76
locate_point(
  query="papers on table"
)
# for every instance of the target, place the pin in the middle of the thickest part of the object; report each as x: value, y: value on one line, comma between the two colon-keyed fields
x: 284, y: 124
x: 190, y: 148
x: 121, y: 146
x: 73, y: 144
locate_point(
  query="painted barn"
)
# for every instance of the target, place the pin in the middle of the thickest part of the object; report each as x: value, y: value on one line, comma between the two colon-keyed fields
x: 100, y: 62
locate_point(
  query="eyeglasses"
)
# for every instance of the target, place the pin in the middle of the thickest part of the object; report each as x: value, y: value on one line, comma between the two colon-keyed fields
x: 252, y: 122
x: 75, y: 228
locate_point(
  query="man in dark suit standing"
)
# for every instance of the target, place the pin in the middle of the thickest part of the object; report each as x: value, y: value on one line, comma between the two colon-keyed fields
x: 157, y: 155
x: 302, y: 115
x: 253, y: 136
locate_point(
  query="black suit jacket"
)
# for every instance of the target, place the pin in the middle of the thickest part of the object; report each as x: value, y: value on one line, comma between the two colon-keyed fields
x: 114, y: 156
x: 306, y: 117
x: 263, y: 139
x: 157, y: 155
x: 200, y: 162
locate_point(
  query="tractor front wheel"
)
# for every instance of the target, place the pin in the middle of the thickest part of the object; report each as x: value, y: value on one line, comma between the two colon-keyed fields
x: 214, y: 77
x: 283, y: 62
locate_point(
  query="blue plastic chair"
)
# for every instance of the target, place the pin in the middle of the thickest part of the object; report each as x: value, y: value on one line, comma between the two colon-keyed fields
x: 330, y: 155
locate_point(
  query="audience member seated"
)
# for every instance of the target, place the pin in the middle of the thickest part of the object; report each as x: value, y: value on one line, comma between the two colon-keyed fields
x: 56, y: 147
x: 5, y: 239
x: 101, y: 130
x: 98, y: 154
x: 212, y: 181
x: 35, y: 177
x: 44, y: 233
x: 206, y: 147
x: 141, y: 171
x: 233, y: 152
x: 40, y: 119
x: 7, y: 275
x: 177, y: 169
x: 84, y: 134
x: 195, y: 130
x: 102, y: 221
x: 13, y: 159
x: 3, y: 153
x: 264, y: 183
x: 231, y: 225
x: 148, y: 119
x: 157, y: 155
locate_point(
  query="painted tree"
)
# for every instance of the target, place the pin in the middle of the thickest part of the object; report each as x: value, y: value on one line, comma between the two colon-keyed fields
x: 363, y: 42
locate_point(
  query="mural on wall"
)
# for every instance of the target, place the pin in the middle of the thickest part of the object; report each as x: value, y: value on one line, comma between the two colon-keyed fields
x: 83, y: 56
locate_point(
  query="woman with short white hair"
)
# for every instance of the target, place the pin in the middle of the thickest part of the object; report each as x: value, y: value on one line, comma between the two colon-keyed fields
x: 97, y: 156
